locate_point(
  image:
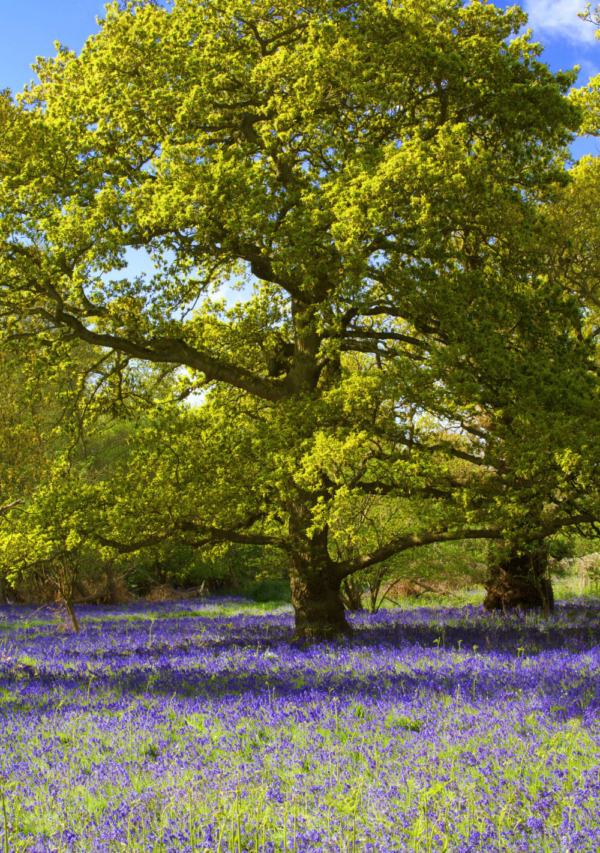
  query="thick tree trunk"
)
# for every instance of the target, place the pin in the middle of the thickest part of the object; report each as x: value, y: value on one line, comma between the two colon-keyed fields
x: 520, y: 581
x: 3, y: 594
x: 314, y: 579
x: 320, y: 612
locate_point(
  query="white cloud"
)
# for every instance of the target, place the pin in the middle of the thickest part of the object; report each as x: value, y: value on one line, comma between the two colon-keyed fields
x: 559, y: 18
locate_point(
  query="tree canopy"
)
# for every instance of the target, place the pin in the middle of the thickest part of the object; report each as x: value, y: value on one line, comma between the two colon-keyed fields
x: 374, y: 177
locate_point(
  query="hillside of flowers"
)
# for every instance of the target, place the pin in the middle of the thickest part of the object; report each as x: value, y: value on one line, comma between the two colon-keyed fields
x: 201, y: 726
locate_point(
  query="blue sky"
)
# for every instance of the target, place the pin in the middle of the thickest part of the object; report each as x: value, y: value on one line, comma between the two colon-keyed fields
x: 28, y: 28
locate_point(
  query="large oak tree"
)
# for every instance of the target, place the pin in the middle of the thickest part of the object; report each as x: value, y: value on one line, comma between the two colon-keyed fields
x: 373, y: 173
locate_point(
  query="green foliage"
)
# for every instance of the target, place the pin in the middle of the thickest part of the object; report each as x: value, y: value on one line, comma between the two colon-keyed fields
x: 402, y: 371
x: 266, y: 591
x: 250, y: 570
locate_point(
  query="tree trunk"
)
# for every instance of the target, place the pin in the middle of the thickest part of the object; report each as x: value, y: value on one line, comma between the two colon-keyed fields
x: 3, y: 594
x: 72, y: 616
x: 113, y: 596
x: 232, y: 574
x: 314, y: 579
x: 351, y: 594
x: 320, y: 612
x: 520, y: 580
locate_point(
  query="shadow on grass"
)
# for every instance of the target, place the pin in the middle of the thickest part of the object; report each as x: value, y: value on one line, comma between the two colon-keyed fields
x: 443, y: 652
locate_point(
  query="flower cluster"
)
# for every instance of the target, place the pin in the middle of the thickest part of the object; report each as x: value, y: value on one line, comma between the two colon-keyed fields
x: 189, y: 727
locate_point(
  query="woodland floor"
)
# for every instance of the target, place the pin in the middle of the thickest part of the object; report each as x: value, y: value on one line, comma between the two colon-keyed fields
x: 199, y: 726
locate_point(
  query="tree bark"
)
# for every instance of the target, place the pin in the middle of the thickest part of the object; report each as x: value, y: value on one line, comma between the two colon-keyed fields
x: 3, y: 595
x: 319, y: 610
x: 72, y: 616
x: 520, y: 581
x: 314, y: 579
x: 232, y: 574
x: 110, y: 584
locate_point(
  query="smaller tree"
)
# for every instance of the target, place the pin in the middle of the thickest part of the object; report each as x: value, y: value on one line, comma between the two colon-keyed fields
x: 53, y: 423
x: 26, y: 415
x: 41, y: 539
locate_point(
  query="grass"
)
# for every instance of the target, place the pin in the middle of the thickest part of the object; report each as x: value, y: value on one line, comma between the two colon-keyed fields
x: 199, y: 726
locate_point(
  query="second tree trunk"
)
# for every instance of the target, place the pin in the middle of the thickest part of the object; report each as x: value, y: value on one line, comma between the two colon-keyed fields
x: 520, y: 581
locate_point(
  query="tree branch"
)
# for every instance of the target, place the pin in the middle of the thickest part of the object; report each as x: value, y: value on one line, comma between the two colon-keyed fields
x: 210, y: 536
x: 4, y: 509
x: 556, y: 524
x: 173, y: 351
x: 403, y: 543
x: 384, y: 336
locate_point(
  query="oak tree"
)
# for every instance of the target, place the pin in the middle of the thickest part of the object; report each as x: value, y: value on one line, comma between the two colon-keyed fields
x: 373, y: 176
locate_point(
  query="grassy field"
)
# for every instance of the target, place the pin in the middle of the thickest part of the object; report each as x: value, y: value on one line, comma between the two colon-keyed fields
x: 199, y: 726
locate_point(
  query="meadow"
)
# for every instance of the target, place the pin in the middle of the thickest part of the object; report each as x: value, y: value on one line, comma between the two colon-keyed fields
x: 201, y: 726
